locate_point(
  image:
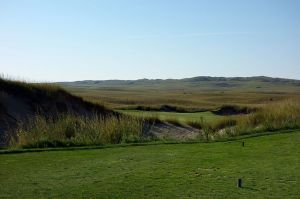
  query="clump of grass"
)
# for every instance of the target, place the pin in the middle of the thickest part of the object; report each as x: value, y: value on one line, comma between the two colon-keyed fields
x: 209, y: 129
x: 276, y: 116
x: 204, y: 127
x: 224, y: 123
x: 70, y: 130
x: 198, y: 124
x: 18, y: 87
x: 214, y: 125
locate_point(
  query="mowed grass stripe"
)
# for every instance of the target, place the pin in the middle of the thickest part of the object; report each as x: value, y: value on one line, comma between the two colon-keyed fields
x: 268, y: 165
x: 180, y: 117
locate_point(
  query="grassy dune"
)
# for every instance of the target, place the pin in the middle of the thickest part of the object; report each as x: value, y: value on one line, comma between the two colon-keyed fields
x: 268, y: 165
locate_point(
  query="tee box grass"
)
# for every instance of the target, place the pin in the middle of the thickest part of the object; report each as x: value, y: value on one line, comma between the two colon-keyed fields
x: 268, y: 165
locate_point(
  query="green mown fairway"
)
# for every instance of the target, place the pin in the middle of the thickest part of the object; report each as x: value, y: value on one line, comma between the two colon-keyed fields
x: 269, y: 166
x: 180, y: 117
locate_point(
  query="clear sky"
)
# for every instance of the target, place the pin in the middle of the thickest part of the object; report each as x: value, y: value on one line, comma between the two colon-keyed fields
x: 60, y: 40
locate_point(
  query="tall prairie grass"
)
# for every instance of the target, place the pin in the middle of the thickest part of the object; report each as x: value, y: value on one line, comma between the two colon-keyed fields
x: 70, y: 130
x: 270, y: 117
x: 27, y: 84
x: 275, y: 116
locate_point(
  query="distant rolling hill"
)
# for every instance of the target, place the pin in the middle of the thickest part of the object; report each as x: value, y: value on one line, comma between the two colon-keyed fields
x: 201, y: 83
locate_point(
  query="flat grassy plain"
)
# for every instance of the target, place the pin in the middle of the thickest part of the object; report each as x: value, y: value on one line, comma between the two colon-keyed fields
x: 125, y: 98
x: 199, y: 93
x: 269, y: 166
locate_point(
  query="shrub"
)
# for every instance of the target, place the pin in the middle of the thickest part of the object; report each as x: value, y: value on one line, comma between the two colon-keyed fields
x: 198, y: 124
x: 224, y: 123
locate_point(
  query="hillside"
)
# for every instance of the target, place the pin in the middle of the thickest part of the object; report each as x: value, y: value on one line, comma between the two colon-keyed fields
x: 201, y: 83
x: 20, y: 101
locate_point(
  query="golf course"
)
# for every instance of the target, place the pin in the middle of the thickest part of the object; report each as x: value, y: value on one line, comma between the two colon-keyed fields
x: 268, y: 166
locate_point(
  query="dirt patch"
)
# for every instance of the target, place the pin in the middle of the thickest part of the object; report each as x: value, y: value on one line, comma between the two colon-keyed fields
x: 167, y: 131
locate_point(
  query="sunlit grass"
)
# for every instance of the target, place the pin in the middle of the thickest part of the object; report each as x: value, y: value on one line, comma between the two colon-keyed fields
x: 268, y: 165
x: 70, y: 130
x: 183, y: 118
x: 189, y: 98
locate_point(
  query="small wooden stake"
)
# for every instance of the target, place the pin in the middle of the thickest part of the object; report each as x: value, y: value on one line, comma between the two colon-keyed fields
x: 239, y: 183
x: 243, y: 144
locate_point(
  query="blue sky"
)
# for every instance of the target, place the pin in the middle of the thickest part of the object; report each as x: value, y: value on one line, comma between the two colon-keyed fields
x: 60, y: 40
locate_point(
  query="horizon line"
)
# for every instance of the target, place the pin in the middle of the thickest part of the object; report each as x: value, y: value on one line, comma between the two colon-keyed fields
x: 227, y: 77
